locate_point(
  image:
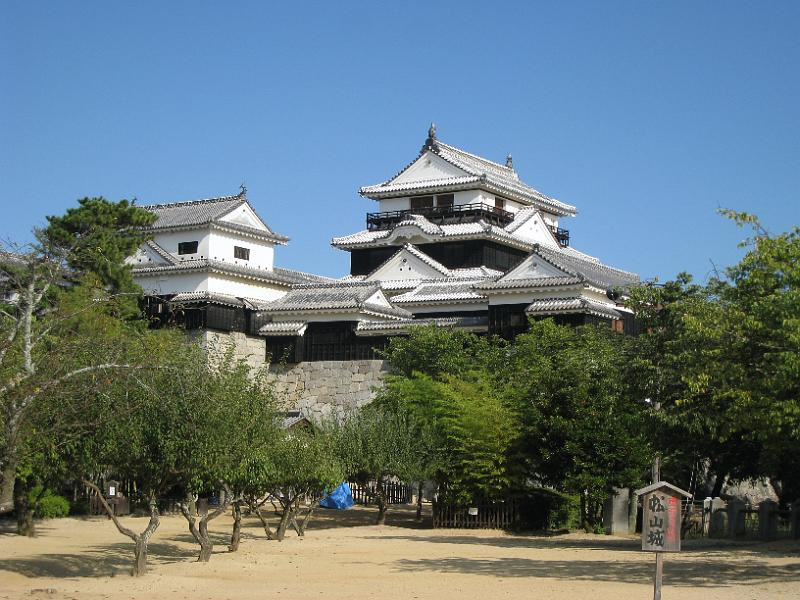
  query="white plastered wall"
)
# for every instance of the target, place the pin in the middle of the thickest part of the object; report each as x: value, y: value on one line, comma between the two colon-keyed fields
x: 221, y: 248
x: 243, y: 288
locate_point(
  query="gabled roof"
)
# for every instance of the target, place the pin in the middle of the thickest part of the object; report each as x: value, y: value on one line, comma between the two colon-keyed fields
x: 591, y: 269
x: 415, y: 252
x: 478, y: 172
x: 560, y: 306
x: 209, y: 211
x: 335, y: 297
x: 441, y: 291
x: 284, y: 277
x: 160, y: 251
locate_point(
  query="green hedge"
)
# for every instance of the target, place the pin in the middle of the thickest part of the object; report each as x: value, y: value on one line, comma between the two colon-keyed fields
x: 544, y: 508
x: 51, y: 506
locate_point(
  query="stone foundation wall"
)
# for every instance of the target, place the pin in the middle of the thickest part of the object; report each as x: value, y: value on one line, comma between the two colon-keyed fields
x: 325, y: 388
x: 318, y: 389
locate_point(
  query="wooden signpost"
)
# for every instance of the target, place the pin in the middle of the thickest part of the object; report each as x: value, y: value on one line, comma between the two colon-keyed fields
x: 661, y: 524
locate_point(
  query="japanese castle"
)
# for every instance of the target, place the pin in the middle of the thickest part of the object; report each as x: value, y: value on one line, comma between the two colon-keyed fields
x: 456, y: 240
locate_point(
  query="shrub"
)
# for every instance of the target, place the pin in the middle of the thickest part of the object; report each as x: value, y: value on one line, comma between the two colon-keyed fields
x: 545, y: 508
x: 51, y: 506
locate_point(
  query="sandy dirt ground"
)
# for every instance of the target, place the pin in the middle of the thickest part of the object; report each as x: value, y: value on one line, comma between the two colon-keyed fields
x: 344, y: 556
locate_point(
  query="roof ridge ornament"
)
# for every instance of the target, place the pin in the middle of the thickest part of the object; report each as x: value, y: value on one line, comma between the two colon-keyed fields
x: 242, y: 190
x: 510, y: 161
x: 431, y: 142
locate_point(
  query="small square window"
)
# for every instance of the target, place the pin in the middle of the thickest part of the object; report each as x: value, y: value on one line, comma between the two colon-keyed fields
x: 187, y: 247
x: 241, y: 253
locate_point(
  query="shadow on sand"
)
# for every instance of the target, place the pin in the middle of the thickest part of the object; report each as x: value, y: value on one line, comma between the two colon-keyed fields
x: 678, y: 572
x: 98, y: 561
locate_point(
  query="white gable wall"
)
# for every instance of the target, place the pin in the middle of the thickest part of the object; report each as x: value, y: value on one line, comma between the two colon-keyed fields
x: 244, y: 215
x: 403, y: 266
x: 145, y: 255
x: 535, y: 229
x: 429, y: 166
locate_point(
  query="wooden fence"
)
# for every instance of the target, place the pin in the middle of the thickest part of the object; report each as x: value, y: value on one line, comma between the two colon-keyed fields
x: 396, y: 492
x: 502, y: 515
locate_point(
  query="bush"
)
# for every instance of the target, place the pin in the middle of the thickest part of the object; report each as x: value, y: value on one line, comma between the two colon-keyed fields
x: 544, y: 508
x: 51, y: 506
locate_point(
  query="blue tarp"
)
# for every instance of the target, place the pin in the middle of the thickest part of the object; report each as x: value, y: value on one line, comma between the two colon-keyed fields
x: 340, y: 498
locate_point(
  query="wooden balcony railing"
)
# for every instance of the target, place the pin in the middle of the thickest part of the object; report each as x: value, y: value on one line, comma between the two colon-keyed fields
x: 457, y: 213
x: 562, y: 235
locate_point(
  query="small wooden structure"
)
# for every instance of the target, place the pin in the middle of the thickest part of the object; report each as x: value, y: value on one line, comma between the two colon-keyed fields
x: 661, y: 524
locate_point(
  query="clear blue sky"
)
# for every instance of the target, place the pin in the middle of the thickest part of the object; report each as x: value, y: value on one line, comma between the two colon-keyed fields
x: 645, y: 115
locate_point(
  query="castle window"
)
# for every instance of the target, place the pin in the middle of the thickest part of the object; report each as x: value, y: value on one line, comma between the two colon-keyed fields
x: 445, y: 199
x: 500, y: 203
x: 187, y: 247
x: 241, y: 253
x: 418, y: 202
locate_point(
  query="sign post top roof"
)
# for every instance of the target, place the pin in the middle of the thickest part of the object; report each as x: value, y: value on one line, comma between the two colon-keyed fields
x: 659, y: 485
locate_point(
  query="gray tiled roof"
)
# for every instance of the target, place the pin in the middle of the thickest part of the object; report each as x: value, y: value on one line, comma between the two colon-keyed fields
x: 283, y: 328
x: 338, y: 296
x: 285, y: 277
x: 402, y: 326
x: 584, y: 266
x: 194, y: 213
x: 552, y: 306
x: 480, y: 172
x: 213, y: 297
x: 529, y: 282
x: 441, y: 292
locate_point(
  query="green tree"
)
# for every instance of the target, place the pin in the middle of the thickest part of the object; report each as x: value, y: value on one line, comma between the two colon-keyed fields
x: 731, y: 350
x: 378, y: 445
x: 96, y: 237
x: 438, y: 351
x: 581, y: 431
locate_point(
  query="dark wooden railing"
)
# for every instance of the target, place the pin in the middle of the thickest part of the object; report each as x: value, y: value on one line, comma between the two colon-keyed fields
x: 456, y: 213
x: 562, y: 235
x: 502, y: 515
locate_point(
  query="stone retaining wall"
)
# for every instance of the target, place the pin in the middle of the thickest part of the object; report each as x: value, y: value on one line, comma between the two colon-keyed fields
x: 318, y: 389
x: 321, y: 389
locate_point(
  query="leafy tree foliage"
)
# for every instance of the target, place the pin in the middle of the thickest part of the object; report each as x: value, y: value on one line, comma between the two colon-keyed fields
x: 96, y: 237
x: 436, y: 352
x: 377, y: 445
x: 581, y: 431
x: 731, y: 351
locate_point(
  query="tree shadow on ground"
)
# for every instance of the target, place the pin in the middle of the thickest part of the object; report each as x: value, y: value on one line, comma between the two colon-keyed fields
x: 98, y: 561
x: 677, y: 572
x: 402, y: 516
x: 602, y: 543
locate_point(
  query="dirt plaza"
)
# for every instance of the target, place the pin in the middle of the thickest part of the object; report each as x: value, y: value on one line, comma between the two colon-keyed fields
x: 344, y: 556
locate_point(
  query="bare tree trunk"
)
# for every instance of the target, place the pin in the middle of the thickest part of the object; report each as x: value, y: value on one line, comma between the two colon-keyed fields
x: 256, y: 508
x: 140, y: 539
x: 24, y: 508
x: 7, y: 487
x: 237, y: 526
x: 286, y: 517
x: 302, y: 529
x: 380, y: 497
x: 419, y: 501
x: 199, y: 528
